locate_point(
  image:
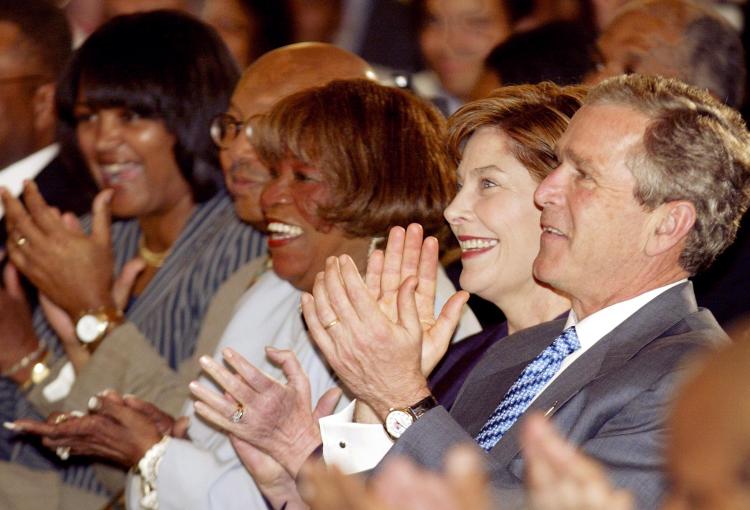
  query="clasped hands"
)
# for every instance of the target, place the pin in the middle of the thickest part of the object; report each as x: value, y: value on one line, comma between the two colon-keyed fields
x: 117, y: 428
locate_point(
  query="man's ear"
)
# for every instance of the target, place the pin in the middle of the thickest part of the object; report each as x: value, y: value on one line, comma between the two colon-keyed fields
x: 672, y: 224
x: 44, y: 112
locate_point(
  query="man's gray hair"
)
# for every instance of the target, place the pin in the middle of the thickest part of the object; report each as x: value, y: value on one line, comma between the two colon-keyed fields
x: 695, y: 148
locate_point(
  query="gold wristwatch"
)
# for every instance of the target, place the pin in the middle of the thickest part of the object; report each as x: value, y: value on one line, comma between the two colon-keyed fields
x: 93, y: 325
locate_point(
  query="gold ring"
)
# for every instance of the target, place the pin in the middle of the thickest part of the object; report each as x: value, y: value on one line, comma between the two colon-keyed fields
x: 331, y: 324
x: 21, y: 241
x: 239, y: 412
x: 60, y: 418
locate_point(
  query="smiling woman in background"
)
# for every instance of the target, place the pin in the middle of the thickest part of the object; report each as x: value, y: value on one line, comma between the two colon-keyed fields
x: 135, y: 106
x: 455, y: 37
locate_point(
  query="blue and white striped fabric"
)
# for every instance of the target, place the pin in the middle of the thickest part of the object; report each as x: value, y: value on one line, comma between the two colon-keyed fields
x: 533, y: 378
x: 212, y: 246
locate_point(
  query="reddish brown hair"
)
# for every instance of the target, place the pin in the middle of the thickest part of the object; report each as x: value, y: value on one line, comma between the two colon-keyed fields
x: 532, y: 116
x: 380, y: 148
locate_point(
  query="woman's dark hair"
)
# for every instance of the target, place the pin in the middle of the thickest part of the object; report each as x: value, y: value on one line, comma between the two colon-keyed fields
x: 159, y: 64
x: 559, y: 52
x: 273, y: 25
x: 381, y: 149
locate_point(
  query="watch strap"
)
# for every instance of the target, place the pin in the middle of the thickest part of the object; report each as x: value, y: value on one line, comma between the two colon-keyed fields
x: 420, y: 408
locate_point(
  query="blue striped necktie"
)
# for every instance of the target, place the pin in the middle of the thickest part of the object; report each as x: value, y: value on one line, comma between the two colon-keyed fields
x: 533, y: 378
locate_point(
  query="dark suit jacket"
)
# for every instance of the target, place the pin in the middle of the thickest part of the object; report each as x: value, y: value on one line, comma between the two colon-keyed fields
x: 611, y: 401
x: 61, y: 188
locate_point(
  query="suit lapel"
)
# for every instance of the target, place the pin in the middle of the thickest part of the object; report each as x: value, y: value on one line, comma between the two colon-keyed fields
x: 609, y: 353
x: 499, y: 368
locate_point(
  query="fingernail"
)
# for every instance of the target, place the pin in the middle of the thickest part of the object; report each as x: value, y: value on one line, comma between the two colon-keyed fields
x: 106, y: 392
x: 128, y: 395
x: 227, y: 353
x: 10, y: 425
x: 77, y: 414
x: 94, y: 403
x: 193, y: 385
x: 205, y: 360
x: 271, y: 349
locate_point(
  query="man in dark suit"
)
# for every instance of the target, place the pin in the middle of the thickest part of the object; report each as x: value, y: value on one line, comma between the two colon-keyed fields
x: 35, y: 44
x: 653, y: 178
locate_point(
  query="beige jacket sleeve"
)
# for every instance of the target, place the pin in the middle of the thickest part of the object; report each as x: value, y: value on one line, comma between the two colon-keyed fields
x: 127, y: 363
x: 22, y: 488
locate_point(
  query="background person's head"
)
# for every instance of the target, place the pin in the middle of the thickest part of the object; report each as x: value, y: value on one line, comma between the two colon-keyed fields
x: 457, y: 35
x: 504, y: 146
x: 162, y: 69
x: 674, y: 39
x: 35, y: 44
x: 112, y: 8
x: 348, y: 160
x: 249, y: 28
x: 559, y: 52
x: 714, y: 405
x: 273, y: 76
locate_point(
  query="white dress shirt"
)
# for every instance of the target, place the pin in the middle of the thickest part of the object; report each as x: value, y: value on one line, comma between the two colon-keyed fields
x: 356, y: 447
x: 12, y: 176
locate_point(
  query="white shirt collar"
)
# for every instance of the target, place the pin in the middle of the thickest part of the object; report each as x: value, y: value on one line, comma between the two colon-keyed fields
x: 594, y: 327
x: 12, y: 176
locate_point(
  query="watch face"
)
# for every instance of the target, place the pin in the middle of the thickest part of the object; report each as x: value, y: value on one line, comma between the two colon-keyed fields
x: 89, y: 328
x: 397, y: 422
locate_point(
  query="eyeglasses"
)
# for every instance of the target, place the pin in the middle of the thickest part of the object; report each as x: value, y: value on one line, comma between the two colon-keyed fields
x: 225, y: 128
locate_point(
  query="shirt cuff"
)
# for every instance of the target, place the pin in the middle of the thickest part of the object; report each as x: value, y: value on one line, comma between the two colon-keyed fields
x: 352, y: 447
x: 61, y: 386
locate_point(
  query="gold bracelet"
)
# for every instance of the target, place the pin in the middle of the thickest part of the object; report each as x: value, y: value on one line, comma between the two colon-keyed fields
x: 39, y: 372
x: 25, y: 361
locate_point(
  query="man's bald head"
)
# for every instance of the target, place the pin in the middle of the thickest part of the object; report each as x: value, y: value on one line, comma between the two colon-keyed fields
x: 274, y: 76
x: 675, y: 39
x: 284, y: 71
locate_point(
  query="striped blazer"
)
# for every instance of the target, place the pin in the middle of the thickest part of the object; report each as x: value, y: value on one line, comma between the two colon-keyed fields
x: 212, y: 246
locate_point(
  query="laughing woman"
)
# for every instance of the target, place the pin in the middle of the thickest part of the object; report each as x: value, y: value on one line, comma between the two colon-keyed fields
x: 347, y: 161
x: 504, y: 145
x: 135, y: 105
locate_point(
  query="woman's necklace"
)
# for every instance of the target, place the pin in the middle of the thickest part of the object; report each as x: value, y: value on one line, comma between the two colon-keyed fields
x: 152, y: 258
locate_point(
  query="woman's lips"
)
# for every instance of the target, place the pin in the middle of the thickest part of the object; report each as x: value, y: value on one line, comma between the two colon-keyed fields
x: 472, y: 246
x: 280, y: 233
x: 114, y: 174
